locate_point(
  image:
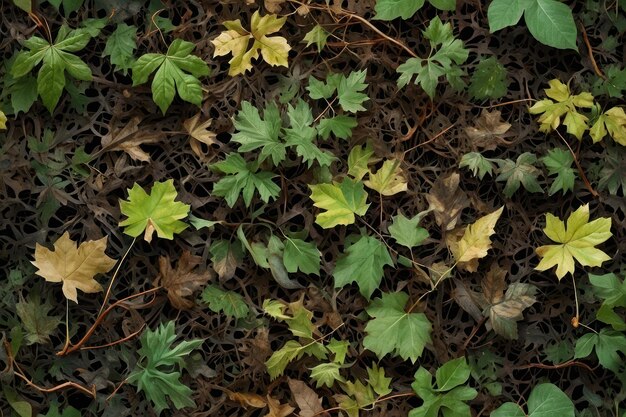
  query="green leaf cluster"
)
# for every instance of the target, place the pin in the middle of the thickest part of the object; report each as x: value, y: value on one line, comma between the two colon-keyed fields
x: 610, y: 171
x: 450, y: 54
x: 451, y: 394
x: 176, y: 71
x: 559, y: 162
x: 361, y: 396
x: 120, y: 46
x: 521, y: 172
x: 158, y: 370
x: 549, y: 21
x: 58, y: 58
x: 612, y: 290
x: 392, y: 9
x: 607, y: 344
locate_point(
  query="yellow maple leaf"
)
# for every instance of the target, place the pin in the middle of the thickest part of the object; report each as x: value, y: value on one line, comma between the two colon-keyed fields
x: 235, y: 40
x: 74, y: 266
x: 388, y: 180
x: 475, y: 241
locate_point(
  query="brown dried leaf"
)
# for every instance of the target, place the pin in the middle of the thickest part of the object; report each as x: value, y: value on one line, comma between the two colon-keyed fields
x: 493, y: 284
x: 277, y: 409
x: 247, y: 399
x: 199, y: 132
x: 503, y: 316
x: 488, y: 131
x: 128, y: 138
x: 308, y: 401
x: 181, y: 282
x: 468, y: 300
x: 257, y: 351
x: 447, y: 200
x: 273, y: 6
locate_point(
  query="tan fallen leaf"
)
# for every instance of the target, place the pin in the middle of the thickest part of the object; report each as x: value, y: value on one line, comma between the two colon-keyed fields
x: 488, y: 132
x: 199, y: 132
x: 308, y: 401
x: 475, y: 241
x: 247, y: 399
x: 74, y: 266
x: 129, y: 137
x: 493, y: 284
x: 389, y: 179
x: 273, y: 6
x: 276, y: 409
x: 447, y: 200
x: 181, y: 282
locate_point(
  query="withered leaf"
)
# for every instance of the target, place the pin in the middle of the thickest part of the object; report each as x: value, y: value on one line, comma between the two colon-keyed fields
x: 488, y: 131
x: 35, y: 318
x: 308, y: 401
x: 273, y: 6
x: 447, y: 200
x: 257, y: 351
x: 504, y: 315
x: 181, y: 282
x: 276, y: 409
x: 74, y: 266
x: 247, y: 399
x: 493, y: 284
x: 129, y: 137
x: 199, y: 132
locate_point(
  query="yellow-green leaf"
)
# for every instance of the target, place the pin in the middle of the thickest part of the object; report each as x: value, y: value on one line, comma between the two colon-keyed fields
x: 389, y: 179
x: 341, y: 202
x: 613, y: 121
x: 575, y: 241
x: 3, y: 121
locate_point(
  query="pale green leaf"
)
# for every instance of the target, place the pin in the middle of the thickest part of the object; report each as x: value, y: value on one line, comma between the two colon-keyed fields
x: 551, y: 23
x: 407, y: 232
x: 229, y: 302
x: 341, y: 202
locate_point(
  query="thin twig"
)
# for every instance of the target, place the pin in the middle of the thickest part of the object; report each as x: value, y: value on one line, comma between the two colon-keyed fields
x: 597, y: 70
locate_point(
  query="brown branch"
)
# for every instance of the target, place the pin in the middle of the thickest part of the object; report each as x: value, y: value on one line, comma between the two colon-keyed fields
x: 580, y: 168
x: 597, y: 70
x: 557, y: 366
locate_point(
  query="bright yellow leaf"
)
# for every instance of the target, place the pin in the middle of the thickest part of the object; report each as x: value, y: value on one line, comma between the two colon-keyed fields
x: 235, y: 40
x: 576, y: 241
x: 388, y: 180
x: 3, y: 121
x: 475, y: 242
x: 74, y: 266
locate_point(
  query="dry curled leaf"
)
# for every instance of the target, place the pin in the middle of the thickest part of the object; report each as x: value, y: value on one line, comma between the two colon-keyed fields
x: 273, y: 6
x: 447, y: 200
x: 199, y: 132
x: 181, y: 282
x: 488, y: 132
x: 129, y: 137
x: 73, y: 265
x: 276, y: 409
x: 308, y: 401
x: 247, y: 399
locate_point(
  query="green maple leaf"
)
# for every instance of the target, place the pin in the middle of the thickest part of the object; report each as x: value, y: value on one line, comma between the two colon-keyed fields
x: 521, y: 172
x: 152, y: 212
x: 243, y: 179
x: 363, y: 262
x: 407, y: 232
x: 545, y: 400
x: 450, y: 54
x: 559, y: 162
x: 341, y: 126
x: 478, y: 164
x: 229, y: 302
x: 611, y: 171
x: 614, y: 84
x: 57, y: 59
x: 301, y: 255
x: 155, y: 373
x: 120, y: 46
x: 392, y: 330
x: 326, y: 374
x: 378, y: 381
x: 36, y: 319
x: 318, y: 36
x: 255, y: 132
x: 358, y: 161
x: 561, y: 103
x: 341, y: 202
x: 176, y: 71
x: 349, y: 91
x: 488, y: 80
x: 576, y: 241
x: 319, y: 89
x: 302, y: 135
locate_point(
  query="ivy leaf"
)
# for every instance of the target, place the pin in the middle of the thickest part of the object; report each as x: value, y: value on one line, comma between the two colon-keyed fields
x: 392, y: 330
x: 388, y: 180
x: 363, y: 262
x: 319, y: 89
x: 254, y: 132
x: 302, y: 135
x: 612, y: 170
x: 503, y: 13
x: 154, y: 212
x: 157, y: 372
x: 478, y: 164
x: 613, y: 292
x: 607, y: 344
x: 475, y: 242
x: 545, y: 400
x: 341, y: 202
x: 243, y: 179
x: 326, y: 374
x: 576, y: 241
x: 522, y: 172
x: 559, y: 162
x: 349, y: 91
x: 358, y: 161
x: 318, y: 36
x: 341, y: 126
x: 407, y: 232
x: 392, y: 9
x: 274, y: 50
x: 73, y: 265
x: 228, y: 302
x: 551, y: 23
x: 36, y: 319
x: 301, y: 255
x: 488, y: 80
x: 120, y: 46
x: 176, y: 71
x: 561, y: 103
